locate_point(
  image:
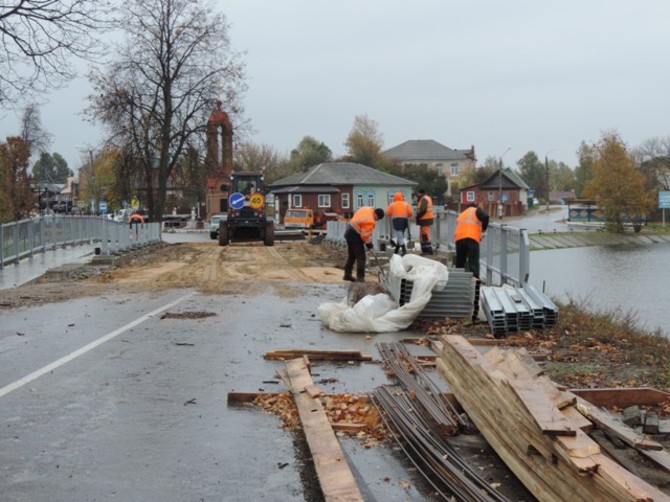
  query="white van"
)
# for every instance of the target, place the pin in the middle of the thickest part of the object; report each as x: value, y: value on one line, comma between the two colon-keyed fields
x: 122, y: 215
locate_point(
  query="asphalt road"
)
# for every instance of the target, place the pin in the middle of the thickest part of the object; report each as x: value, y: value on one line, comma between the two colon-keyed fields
x: 102, y: 399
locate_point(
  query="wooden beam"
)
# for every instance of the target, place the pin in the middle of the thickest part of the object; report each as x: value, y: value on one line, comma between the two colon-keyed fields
x: 335, y: 477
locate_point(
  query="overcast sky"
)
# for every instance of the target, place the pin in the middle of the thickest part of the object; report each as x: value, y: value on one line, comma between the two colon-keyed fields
x: 524, y: 75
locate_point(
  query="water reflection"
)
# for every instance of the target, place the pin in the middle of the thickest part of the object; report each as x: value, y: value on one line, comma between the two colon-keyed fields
x: 633, y: 279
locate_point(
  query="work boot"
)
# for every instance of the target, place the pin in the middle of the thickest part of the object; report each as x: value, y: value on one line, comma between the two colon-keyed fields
x: 403, y: 251
x: 397, y: 249
x: 360, y: 279
x: 348, y: 278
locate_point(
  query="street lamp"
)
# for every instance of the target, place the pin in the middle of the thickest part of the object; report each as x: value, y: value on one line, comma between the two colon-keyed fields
x: 500, y: 202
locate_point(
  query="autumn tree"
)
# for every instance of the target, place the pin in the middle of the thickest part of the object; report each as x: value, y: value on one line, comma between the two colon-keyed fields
x: 156, y: 96
x: 309, y: 152
x: 39, y: 39
x: 617, y: 185
x: 364, y: 142
x: 97, y: 180
x: 16, y: 197
x: 250, y: 156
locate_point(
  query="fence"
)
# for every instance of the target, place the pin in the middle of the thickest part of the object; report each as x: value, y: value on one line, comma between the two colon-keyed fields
x: 37, y: 235
x: 504, y: 252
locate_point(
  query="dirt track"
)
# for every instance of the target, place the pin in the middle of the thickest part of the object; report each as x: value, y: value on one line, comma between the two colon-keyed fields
x: 206, y: 267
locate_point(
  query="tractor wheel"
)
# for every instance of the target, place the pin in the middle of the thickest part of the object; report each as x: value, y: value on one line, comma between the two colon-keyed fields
x: 269, y: 238
x: 224, y: 240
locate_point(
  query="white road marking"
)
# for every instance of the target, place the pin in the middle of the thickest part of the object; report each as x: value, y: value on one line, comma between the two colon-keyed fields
x: 73, y: 355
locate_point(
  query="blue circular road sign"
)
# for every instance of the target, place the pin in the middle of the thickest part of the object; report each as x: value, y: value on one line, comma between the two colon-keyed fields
x: 236, y: 200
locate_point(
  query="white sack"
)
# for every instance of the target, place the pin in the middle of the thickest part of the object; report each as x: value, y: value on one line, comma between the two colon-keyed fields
x: 381, y: 314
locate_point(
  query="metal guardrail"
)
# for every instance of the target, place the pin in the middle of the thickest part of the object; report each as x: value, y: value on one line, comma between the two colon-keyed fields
x: 504, y: 252
x: 24, y: 238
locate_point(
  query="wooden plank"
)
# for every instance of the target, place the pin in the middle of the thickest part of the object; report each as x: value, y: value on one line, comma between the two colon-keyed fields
x: 623, y: 397
x: 616, y: 427
x: 317, y: 355
x: 335, y: 477
x: 660, y: 458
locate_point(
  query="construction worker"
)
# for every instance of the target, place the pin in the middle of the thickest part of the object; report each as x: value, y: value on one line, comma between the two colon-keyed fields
x: 400, y: 212
x: 471, y: 226
x: 424, y: 218
x: 359, y: 236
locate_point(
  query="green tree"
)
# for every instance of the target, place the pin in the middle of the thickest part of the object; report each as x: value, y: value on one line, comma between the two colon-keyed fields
x: 309, y: 152
x: 561, y: 177
x: 16, y: 196
x: 364, y: 142
x: 617, y: 185
x: 533, y: 171
x: 157, y: 95
x: 51, y: 168
x: 584, y: 171
x: 38, y: 39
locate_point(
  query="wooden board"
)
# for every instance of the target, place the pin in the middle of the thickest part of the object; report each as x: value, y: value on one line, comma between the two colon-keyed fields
x: 317, y: 355
x: 622, y: 398
x: 335, y: 477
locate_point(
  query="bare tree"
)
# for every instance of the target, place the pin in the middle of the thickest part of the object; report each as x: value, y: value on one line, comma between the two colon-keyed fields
x: 156, y: 97
x: 38, y: 38
x: 32, y: 131
x: 653, y: 157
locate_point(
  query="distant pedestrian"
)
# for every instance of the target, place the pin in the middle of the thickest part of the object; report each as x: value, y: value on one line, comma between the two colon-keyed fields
x: 424, y: 218
x: 400, y: 212
x: 471, y: 227
x: 359, y: 236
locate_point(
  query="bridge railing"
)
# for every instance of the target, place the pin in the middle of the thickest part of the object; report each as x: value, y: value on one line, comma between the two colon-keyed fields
x: 504, y: 252
x: 24, y: 238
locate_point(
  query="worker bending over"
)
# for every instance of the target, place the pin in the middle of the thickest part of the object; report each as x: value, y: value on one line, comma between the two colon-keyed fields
x: 359, y: 236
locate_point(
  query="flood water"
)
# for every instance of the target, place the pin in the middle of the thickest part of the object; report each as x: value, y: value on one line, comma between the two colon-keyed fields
x: 633, y: 279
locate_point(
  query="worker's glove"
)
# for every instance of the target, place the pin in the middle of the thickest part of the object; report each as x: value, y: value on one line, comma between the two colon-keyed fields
x: 483, y: 235
x: 368, y: 245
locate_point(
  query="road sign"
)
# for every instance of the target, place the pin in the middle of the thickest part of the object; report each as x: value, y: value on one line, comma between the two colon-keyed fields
x: 236, y: 200
x: 503, y: 197
x: 257, y: 200
x: 103, y: 206
x: 135, y: 203
x: 664, y: 200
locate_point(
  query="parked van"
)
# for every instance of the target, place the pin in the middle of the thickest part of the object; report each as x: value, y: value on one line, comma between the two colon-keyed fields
x: 122, y: 215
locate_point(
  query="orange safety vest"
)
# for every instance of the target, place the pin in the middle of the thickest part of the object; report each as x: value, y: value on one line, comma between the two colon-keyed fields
x: 364, y: 222
x: 399, y: 208
x: 468, y: 226
x: 429, y: 208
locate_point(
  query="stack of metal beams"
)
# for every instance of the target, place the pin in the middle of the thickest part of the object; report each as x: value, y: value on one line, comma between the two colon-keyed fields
x: 517, y: 309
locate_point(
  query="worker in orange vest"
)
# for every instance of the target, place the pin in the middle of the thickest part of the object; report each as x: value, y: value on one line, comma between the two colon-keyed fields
x: 359, y: 236
x: 471, y: 227
x: 424, y: 218
x: 400, y: 212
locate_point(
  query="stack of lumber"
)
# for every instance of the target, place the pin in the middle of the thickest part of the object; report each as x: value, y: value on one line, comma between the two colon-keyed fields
x: 534, y: 427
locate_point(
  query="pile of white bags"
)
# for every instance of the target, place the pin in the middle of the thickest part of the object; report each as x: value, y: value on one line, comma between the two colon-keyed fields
x: 380, y: 313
